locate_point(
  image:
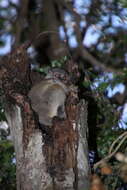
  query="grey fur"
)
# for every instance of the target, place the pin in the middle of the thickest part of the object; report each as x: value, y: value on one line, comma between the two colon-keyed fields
x: 48, y: 100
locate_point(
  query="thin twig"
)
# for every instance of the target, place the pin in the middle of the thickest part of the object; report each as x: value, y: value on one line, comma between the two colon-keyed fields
x: 110, y: 155
x: 112, y: 145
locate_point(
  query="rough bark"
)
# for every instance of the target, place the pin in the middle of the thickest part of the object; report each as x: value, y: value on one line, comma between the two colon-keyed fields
x: 54, y: 158
x: 30, y: 163
x: 32, y: 172
x: 82, y: 156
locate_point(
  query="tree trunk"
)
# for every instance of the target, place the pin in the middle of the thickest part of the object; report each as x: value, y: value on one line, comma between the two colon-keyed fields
x: 50, y: 158
x: 32, y: 171
x: 57, y: 48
